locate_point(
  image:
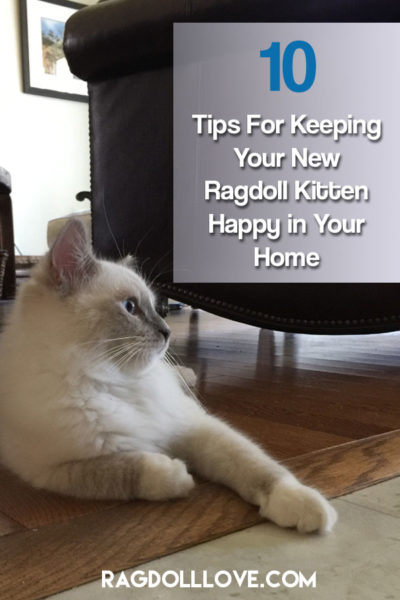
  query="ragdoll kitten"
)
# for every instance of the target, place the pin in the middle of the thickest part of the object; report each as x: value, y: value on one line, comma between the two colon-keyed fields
x: 89, y: 407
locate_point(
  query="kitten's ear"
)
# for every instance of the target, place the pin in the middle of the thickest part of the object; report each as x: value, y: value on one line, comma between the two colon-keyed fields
x: 71, y: 260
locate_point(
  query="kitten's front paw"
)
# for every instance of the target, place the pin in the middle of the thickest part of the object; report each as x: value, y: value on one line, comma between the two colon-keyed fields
x: 163, y: 478
x: 182, y: 481
x: 291, y: 504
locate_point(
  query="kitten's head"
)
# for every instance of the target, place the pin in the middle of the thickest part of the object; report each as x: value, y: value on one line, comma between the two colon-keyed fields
x: 109, y: 305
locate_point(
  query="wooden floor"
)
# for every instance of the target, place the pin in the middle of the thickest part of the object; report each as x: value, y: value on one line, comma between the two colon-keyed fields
x: 327, y: 406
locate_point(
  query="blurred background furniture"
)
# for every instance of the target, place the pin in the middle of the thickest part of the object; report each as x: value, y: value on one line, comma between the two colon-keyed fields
x: 55, y: 225
x: 123, y: 48
x: 7, y: 236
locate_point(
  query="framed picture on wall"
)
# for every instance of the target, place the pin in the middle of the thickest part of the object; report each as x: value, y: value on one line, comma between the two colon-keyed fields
x: 45, y: 68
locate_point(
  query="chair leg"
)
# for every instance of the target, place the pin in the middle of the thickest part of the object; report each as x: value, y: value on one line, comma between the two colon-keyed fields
x: 162, y: 306
x: 7, y: 242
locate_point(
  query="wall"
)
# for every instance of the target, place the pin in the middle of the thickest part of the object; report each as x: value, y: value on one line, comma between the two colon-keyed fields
x: 43, y: 143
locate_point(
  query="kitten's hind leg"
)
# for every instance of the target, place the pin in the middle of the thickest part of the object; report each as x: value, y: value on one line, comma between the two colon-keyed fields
x: 120, y: 476
x: 219, y: 453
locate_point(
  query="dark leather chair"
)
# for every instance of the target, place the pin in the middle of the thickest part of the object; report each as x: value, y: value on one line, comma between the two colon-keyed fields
x: 123, y: 48
x: 7, y: 234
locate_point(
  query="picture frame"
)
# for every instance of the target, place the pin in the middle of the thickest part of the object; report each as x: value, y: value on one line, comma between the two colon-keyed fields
x: 44, y: 66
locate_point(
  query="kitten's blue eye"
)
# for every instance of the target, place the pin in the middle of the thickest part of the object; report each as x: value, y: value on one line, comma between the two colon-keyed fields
x: 129, y: 306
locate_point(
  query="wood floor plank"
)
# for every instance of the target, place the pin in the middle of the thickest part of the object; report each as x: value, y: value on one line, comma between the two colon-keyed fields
x: 8, y: 525
x: 34, y: 508
x: 349, y: 467
x: 66, y: 554
x: 326, y: 387
x: 63, y: 555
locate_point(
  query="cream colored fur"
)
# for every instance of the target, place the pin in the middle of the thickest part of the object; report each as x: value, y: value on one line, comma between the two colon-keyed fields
x: 89, y: 407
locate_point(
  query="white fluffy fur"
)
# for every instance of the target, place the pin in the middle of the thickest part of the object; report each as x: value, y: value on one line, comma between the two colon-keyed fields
x: 80, y: 417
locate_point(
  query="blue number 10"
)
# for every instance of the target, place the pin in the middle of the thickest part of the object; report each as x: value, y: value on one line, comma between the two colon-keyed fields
x: 274, y: 51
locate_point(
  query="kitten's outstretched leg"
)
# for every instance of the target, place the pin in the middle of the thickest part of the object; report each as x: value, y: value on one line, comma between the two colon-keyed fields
x: 122, y: 476
x: 219, y: 453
